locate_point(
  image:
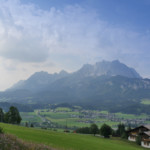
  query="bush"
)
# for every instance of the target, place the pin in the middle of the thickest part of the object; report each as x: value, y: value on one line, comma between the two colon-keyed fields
x: 138, y: 140
x: 124, y: 135
x: 31, y: 125
x: 68, y: 131
x: 85, y: 130
x: 114, y: 134
x: 1, y: 130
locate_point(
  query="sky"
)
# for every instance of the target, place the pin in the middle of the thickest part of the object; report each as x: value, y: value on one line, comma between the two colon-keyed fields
x: 55, y: 35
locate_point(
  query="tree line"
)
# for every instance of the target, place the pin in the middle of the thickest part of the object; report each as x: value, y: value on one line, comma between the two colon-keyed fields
x: 105, y: 130
x: 12, y: 116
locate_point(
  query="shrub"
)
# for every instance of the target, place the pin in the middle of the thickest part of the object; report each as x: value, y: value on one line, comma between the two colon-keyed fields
x: 85, y: 130
x: 31, y: 125
x: 66, y: 130
x: 124, y: 135
x: 138, y: 140
x: 1, y: 130
x: 114, y: 134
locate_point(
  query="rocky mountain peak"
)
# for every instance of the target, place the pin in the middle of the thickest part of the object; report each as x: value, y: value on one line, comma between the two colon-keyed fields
x: 113, y: 68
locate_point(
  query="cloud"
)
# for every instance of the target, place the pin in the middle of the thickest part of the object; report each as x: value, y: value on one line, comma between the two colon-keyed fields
x: 31, y: 38
x: 30, y: 34
x: 21, y: 35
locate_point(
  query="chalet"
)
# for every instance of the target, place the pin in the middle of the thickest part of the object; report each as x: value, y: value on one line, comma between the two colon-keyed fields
x: 144, y: 132
x: 133, y: 133
x: 145, y: 142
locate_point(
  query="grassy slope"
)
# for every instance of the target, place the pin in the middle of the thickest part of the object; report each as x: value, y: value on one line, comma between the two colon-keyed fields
x: 68, y: 140
x: 145, y: 101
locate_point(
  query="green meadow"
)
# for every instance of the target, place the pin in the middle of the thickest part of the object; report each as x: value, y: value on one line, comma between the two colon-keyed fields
x: 130, y: 116
x: 145, y: 101
x: 30, y: 117
x: 63, y: 116
x: 68, y: 141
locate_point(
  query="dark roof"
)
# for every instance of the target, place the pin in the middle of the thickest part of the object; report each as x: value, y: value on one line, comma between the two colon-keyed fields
x: 142, y: 126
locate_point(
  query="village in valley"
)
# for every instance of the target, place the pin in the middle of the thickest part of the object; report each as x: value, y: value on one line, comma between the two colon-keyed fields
x: 61, y: 117
x: 70, y: 119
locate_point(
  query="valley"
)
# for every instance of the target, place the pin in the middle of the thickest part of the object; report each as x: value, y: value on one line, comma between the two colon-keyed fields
x: 71, y: 119
x: 54, y: 106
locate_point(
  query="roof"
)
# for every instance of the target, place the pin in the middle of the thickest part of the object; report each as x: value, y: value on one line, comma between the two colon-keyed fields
x: 147, y: 133
x: 147, y: 126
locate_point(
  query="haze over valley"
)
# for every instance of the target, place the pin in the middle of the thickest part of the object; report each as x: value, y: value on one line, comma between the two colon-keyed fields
x: 97, y: 86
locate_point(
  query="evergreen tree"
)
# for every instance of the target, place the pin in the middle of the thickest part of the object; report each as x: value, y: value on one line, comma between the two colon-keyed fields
x: 121, y: 130
x: 1, y: 115
x: 26, y: 124
x: 32, y: 125
x: 129, y: 128
x: 12, y: 116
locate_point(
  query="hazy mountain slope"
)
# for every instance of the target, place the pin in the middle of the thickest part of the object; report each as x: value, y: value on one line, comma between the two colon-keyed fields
x: 102, y: 85
x: 38, y: 81
x: 96, y: 89
x: 115, y: 93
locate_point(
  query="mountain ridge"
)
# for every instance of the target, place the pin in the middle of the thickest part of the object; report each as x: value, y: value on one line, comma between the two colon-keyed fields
x: 42, y: 79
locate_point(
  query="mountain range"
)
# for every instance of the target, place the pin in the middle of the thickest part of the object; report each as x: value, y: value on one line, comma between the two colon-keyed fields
x: 100, y: 86
x: 42, y: 79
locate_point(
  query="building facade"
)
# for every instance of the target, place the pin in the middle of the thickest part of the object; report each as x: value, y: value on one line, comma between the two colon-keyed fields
x: 144, y: 132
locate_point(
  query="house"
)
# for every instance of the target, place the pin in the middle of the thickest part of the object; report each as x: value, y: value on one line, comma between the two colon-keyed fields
x: 133, y: 133
x: 145, y: 142
x: 144, y: 132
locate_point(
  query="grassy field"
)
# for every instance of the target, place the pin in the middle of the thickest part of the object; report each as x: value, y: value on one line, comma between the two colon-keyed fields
x: 65, y: 117
x: 63, y: 109
x: 68, y: 141
x: 130, y: 116
x: 146, y: 101
x: 30, y: 117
